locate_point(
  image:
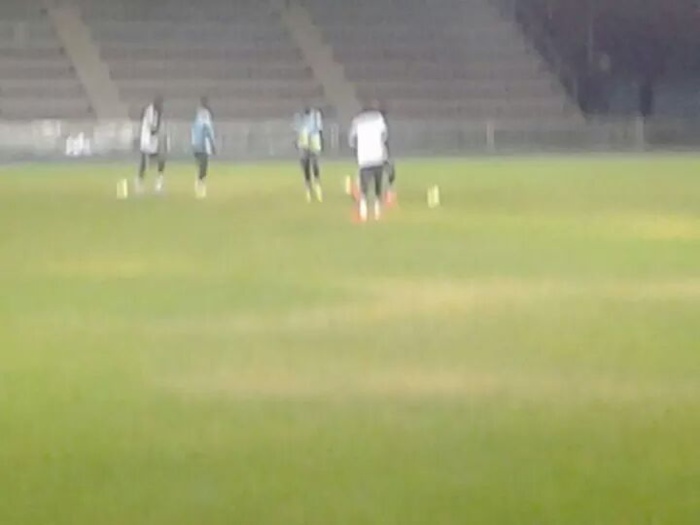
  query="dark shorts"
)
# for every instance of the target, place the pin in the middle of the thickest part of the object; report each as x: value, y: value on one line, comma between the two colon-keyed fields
x: 202, y: 160
x: 148, y: 158
x: 151, y: 156
x: 371, y: 176
x: 308, y: 155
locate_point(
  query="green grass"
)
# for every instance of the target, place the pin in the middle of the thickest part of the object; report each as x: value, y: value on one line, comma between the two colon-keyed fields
x: 529, y: 353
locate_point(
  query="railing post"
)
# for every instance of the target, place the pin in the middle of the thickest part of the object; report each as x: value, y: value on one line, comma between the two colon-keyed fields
x: 335, y: 138
x: 640, y: 133
x: 490, y: 136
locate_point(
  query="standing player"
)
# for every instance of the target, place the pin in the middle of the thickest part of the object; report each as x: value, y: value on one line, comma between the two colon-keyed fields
x: 153, y: 143
x: 202, y: 145
x: 368, y: 138
x: 353, y: 188
x: 309, y: 130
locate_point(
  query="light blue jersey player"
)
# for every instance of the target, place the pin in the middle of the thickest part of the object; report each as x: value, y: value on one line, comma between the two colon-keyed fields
x: 309, y: 130
x: 202, y: 145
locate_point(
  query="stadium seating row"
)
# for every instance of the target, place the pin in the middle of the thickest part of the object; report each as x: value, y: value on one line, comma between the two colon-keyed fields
x: 445, y: 59
x: 448, y: 59
x: 239, y: 54
x: 37, y: 79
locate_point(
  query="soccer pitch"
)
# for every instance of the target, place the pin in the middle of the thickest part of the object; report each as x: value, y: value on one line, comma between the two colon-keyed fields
x: 528, y: 353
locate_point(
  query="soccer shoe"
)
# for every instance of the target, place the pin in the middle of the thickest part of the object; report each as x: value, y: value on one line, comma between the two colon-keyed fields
x: 309, y: 197
x: 362, y: 210
x: 377, y: 211
x: 200, y: 190
x: 159, y: 185
x: 319, y: 193
x: 356, y: 219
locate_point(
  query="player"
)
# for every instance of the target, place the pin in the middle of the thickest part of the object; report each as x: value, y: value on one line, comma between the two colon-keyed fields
x: 153, y: 143
x: 202, y: 145
x: 368, y: 138
x: 309, y: 130
x: 389, y: 171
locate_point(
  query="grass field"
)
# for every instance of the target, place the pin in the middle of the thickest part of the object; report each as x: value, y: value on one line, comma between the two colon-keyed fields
x: 529, y: 353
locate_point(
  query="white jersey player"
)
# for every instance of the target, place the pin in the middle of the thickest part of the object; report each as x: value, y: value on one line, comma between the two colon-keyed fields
x: 153, y: 143
x: 368, y: 138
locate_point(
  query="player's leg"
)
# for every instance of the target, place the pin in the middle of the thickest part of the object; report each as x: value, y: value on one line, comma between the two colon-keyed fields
x: 391, y: 173
x: 306, y: 170
x: 365, y: 182
x: 203, y: 167
x: 378, y: 176
x: 390, y: 170
x: 202, y: 161
x: 316, y: 173
x: 141, y: 174
x: 160, y: 179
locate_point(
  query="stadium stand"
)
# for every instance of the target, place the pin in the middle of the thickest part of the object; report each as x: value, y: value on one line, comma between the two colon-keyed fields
x: 448, y: 59
x: 439, y: 60
x: 644, y: 44
x: 91, y: 70
x: 37, y: 80
x: 237, y: 53
x: 319, y: 55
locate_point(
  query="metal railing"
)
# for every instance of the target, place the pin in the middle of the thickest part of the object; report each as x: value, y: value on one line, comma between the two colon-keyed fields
x: 55, y: 140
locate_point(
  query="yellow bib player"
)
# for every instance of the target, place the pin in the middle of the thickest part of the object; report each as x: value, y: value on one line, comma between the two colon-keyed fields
x: 309, y: 130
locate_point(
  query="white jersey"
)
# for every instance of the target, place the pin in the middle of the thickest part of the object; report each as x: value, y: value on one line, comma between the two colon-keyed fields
x: 152, y: 131
x: 368, y: 136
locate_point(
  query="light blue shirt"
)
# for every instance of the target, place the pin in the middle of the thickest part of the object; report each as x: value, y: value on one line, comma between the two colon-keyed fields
x: 308, y: 127
x: 203, y: 132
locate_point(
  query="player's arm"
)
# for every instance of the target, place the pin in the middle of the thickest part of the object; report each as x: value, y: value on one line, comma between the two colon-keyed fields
x: 352, y: 136
x: 166, y: 138
x: 211, y: 135
x: 319, y: 125
x: 385, y: 140
x: 152, y: 121
x: 146, y: 126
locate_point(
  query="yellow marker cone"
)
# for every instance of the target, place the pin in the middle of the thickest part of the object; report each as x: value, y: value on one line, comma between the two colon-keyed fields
x: 122, y: 189
x: 433, y: 197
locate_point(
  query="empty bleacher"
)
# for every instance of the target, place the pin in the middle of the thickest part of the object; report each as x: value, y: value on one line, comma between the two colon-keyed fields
x: 450, y: 59
x: 37, y: 80
x: 441, y: 60
x: 237, y: 53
